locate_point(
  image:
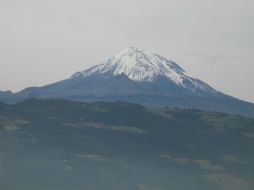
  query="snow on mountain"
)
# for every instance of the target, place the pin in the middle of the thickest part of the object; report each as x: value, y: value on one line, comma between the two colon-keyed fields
x: 142, y: 65
x: 141, y: 77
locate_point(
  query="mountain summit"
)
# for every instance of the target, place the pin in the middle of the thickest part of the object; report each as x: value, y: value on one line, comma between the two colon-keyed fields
x: 138, y: 65
x: 137, y: 76
x: 143, y: 66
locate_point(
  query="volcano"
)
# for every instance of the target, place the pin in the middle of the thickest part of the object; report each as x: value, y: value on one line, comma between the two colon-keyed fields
x: 137, y: 76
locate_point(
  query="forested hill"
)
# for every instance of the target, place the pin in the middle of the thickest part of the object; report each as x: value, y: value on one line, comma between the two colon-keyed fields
x: 64, y: 145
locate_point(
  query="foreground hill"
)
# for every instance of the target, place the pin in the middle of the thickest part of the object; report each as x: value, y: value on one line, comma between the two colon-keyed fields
x: 63, y: 145
x: 137, y: 76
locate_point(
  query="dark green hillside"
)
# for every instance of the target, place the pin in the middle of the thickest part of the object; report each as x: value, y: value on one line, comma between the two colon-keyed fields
x: 63, y: 145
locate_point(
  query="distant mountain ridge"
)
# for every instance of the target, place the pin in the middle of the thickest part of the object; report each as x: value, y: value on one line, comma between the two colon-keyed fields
x: 137, y: 76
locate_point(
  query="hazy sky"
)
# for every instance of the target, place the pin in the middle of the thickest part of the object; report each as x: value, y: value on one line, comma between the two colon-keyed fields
x: 43, y: 41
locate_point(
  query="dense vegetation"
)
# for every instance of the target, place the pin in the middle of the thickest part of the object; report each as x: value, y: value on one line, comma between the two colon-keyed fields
x: 63, y: 145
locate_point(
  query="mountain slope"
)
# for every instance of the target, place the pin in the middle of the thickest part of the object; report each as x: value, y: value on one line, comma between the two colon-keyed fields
x: 56, y: 144
x: 141, y: 77
x: 143, y: 66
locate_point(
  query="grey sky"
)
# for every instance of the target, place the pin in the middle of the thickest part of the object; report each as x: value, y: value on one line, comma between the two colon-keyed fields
x: 43, y: 41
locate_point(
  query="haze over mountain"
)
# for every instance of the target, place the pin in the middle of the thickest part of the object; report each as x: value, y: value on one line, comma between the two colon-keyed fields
x: 64, y: 145
x: 137, y: 76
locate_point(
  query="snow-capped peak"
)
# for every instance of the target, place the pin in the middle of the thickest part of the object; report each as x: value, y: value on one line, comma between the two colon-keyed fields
x: 142, y: 65
x: 138, y: 65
